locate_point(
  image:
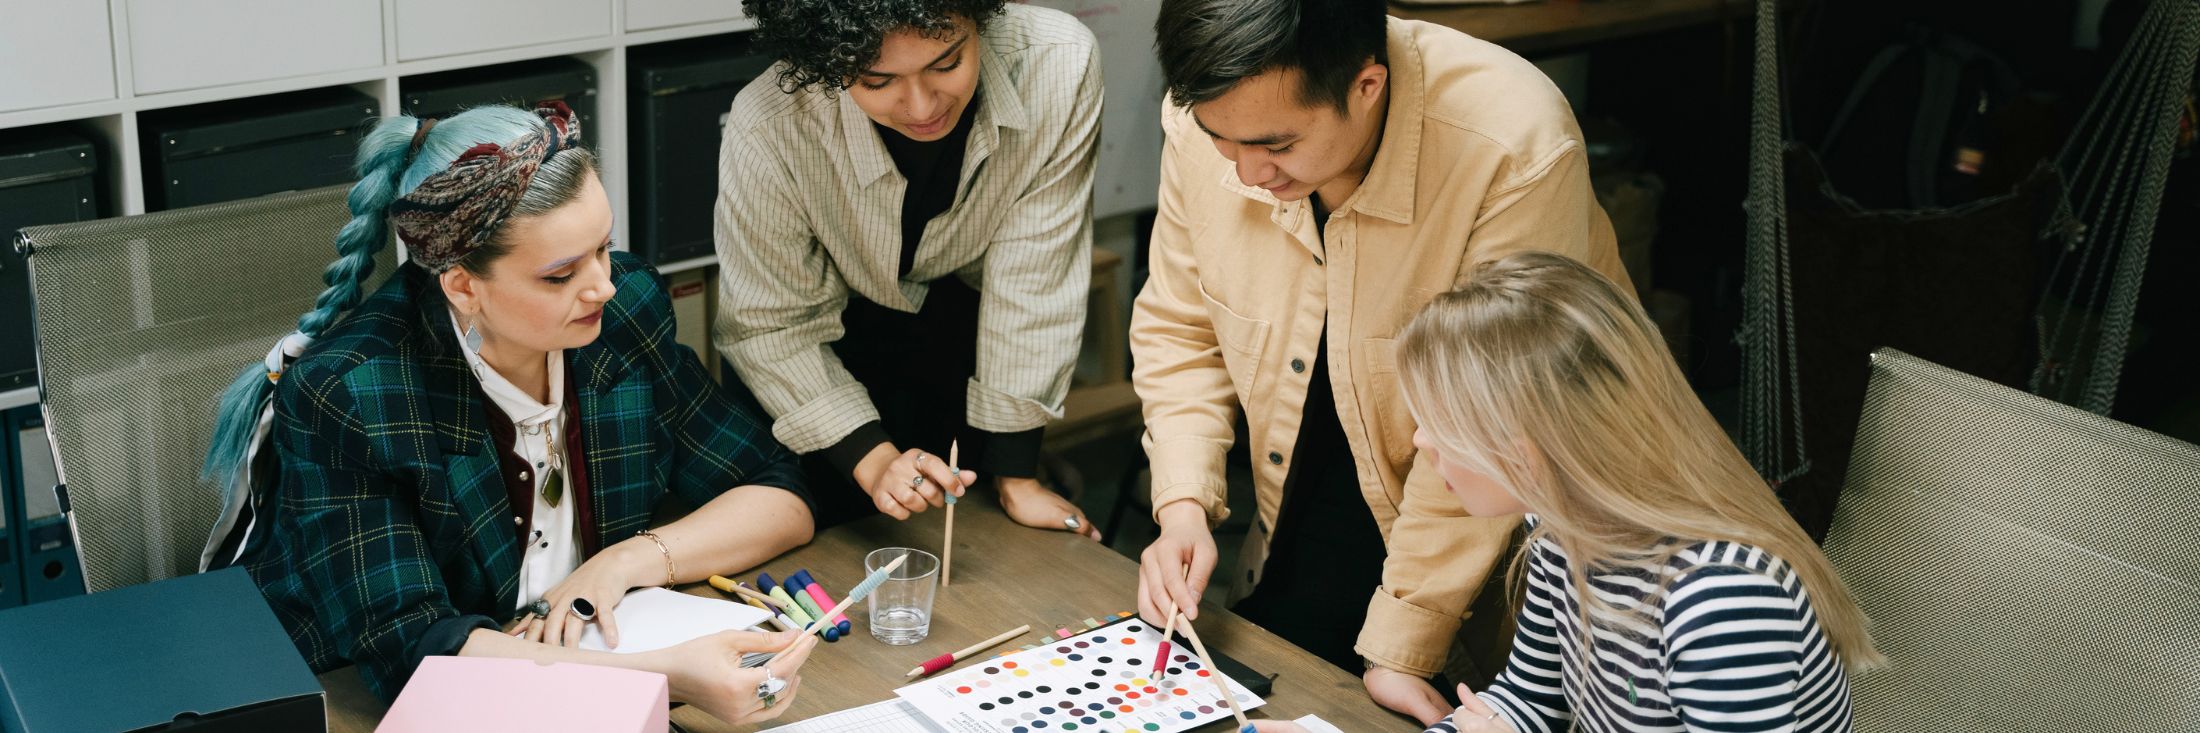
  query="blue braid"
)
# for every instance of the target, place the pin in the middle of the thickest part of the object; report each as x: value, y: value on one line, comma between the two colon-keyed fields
x: 381, y: 162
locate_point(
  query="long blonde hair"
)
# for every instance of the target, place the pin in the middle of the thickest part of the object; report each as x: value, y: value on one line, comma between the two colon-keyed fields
x: 1540, y: 375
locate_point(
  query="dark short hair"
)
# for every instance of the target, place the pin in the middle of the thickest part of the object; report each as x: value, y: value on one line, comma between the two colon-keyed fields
x: 1208, y: 46
x: 827, y: 43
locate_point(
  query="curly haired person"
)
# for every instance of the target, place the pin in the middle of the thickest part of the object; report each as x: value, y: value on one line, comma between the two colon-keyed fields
x: 904, y: 232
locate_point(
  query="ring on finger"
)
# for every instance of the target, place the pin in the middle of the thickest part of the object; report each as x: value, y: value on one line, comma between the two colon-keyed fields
x: 917, y: 481
x: 769, y: 689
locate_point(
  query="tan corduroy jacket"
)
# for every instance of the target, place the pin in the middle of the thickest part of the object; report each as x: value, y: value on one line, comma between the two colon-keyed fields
x: 1480, y: 156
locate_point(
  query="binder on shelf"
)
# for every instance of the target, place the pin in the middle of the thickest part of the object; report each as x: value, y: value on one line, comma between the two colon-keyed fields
x: 520, y: 84
x: 244, y: 148
x: 45, y: 545
x: 678, y: 96
x: 47, y: 176
x: 11, y: 517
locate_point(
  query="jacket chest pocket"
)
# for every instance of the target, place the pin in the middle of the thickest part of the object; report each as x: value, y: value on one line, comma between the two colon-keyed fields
x: 1242, y: 340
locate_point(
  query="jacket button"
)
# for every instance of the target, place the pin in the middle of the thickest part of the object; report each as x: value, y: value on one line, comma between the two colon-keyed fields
x: 516, y: 521
x: 1275, y: 458
x: 523, y: 475
x: 1317, y: 260
x: 1298, y: 366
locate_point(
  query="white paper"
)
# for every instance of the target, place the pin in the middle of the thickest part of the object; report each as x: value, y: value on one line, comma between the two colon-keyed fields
x: 655, y: 618
x: 1314, y: 724
x: 891, y: 716
x: 1096, y: 680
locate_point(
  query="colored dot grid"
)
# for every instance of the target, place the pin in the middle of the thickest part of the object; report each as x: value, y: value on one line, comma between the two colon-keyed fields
x: 1094, y: 683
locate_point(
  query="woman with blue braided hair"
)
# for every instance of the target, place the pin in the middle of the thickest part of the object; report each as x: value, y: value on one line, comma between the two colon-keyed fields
x: 466, y: 460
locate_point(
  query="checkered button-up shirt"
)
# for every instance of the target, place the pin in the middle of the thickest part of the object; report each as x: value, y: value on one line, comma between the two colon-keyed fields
x: 809, y: 207
x: 390, y: 514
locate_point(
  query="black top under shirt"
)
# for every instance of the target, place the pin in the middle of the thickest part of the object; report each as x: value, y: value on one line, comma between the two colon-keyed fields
x: 1326, y: 557
x: 934, y: 171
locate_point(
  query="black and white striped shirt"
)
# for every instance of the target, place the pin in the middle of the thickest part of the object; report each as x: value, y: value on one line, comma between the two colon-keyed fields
x: 1730, y: 645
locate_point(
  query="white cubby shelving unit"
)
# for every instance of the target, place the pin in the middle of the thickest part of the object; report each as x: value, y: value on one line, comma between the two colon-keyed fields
x: 102, y: 63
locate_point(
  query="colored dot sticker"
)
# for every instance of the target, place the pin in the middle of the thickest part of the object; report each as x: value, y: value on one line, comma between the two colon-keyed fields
x: 1069, y: 726
x: 993, y: 670
x: 1082, y: 645
x: 1203, y: 673
x: 1009, y: 665
x: 1007, y: 700
x: 1099, y: 673
x: 1056, y: 662
x: 1076, y: 657
x: 1061, y: 649
x: 1043, y: 689
x: 1150, y: 690
x: 1106, y: 660
x: 985, y: 706
x: 965, y: 689
x: 1127, y: 709
x: 1026, y: 694
x: 1023, y: 673
x: 1141, y: 682
x: 1135, y: 628
x: 982, y: 684
x: 1130, y: 641
x: 1092, y: 685
x: 1134, y: 663
x: 1187, y: 715
x: 1206, y: 709
x: 1131, y: 695
x: 1153, y: 726
x: 1019, y: 729
x: 1180, y: 692
x: 1180, y: 658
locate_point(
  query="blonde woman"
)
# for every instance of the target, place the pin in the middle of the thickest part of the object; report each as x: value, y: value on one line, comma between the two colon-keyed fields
x: 1662, y: 587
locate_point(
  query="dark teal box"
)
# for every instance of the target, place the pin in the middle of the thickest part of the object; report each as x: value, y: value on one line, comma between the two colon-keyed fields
x: 201, y: 653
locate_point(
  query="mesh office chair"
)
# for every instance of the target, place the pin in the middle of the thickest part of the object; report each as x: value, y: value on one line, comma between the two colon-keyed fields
x: 142, y: 321
x: 2027, y: 565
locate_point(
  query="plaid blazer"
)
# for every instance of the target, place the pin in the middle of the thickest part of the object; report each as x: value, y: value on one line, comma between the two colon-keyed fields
x: 390, y: 517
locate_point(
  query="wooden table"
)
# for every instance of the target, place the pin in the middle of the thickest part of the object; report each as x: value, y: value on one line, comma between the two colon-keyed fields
x: 1005, y: 575
x: 1551, y: 25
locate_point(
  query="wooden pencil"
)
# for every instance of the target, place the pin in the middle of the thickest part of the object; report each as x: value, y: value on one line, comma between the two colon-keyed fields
x: 1222, y: 682
x: 947, y: 554
x: 944, y: 661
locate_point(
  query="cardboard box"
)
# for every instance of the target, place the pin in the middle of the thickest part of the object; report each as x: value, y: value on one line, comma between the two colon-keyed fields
x: 202, y: 651
x: 490, y: 695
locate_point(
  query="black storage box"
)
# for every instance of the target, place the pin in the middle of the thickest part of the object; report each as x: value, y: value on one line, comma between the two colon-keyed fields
x: 680, y: 94
x: 519, y: 84
x: 47, y: 176
x: 200, y: 652
x: 252, y: 147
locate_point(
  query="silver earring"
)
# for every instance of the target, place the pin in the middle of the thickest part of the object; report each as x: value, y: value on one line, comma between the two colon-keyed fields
x: 473, y: 337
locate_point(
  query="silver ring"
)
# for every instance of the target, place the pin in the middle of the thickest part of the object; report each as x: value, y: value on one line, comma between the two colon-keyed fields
x: 540, y: 608
x: 582, y: 609
x: 768, y: 690
x: 920, y: 458
x: 1072, y: 523
x: 1493, y: 716
x: 916, y: 481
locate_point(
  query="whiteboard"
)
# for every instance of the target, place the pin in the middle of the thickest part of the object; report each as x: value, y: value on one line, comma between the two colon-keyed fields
x: 1129, y: 170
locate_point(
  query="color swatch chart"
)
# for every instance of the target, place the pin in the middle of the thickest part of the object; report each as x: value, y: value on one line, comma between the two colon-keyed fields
x: 1094, y: 682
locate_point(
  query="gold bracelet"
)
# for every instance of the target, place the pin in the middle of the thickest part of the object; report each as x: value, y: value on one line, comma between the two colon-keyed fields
x: 661, y: 548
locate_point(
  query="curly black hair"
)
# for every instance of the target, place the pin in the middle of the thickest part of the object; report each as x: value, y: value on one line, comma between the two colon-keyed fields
x: 826, y: 43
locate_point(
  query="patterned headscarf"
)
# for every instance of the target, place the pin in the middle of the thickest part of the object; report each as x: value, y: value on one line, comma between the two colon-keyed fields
x: 453, y: 212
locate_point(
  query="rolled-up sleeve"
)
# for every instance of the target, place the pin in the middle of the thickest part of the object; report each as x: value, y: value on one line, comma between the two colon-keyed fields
x: 1439, y: 557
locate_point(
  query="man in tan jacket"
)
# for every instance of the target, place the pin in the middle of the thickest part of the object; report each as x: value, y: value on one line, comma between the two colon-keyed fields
x: 1328, y: 171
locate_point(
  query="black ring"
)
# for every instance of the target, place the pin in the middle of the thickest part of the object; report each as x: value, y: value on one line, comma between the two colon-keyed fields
x: 583, y: 609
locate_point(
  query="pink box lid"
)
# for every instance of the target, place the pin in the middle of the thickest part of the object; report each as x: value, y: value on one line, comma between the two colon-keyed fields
x: 521, y: 696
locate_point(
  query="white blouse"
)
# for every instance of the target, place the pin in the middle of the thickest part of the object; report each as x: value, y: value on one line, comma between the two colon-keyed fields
x: 553, y: 547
